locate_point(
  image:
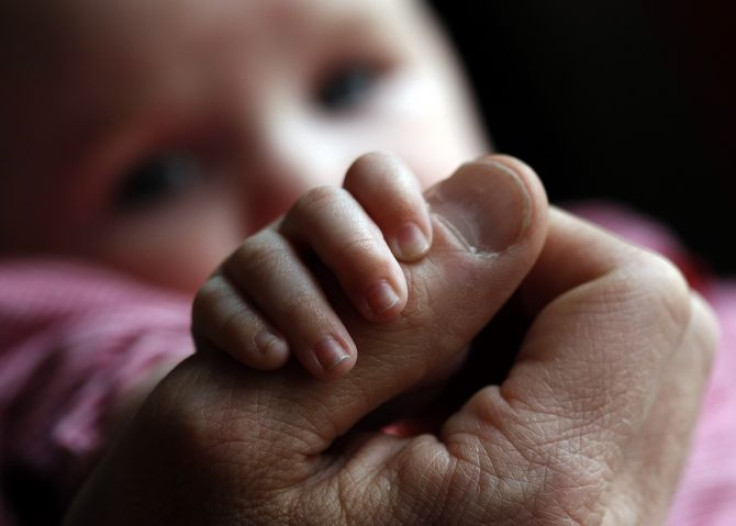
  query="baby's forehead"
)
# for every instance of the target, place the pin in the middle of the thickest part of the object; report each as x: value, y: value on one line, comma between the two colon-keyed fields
x: 135, y: 30
x: 132, y: 28
x: 69, y: 53
x: 53, y: 38
x: 120, y: 15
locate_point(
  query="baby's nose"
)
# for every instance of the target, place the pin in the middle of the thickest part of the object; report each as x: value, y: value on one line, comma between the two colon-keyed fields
x: 286, y: 163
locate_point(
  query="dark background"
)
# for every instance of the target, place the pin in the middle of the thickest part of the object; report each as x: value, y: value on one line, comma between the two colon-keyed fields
x: 630, y: 100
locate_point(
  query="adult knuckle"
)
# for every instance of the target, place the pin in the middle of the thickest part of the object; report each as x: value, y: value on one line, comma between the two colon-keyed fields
x: 706, y: 333
x: 202, y: 417
x: 176, y: 403
x: 661, y: 287
x: 435, y: 499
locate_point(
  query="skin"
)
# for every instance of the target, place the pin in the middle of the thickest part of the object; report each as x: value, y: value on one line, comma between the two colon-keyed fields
x: 589, y: 427
x: 236, y: 90
x: 243, y: 123
x: 140, y: 81
x: 268, y: 281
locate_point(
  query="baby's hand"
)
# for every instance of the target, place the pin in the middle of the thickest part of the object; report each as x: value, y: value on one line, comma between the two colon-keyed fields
x: 264, y: 302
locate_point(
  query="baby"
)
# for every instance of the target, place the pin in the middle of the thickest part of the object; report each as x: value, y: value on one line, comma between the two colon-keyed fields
x: 177, y: 129
x: 152, y: 138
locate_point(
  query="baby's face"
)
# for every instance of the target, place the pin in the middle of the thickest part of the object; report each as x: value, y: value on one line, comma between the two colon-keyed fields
x: 155, y: 135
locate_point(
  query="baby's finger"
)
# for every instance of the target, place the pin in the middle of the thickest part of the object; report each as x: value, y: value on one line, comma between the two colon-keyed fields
x: 268, y: 271
x: 391, y: 195
x: 331, y: 223
x: 221, y: 317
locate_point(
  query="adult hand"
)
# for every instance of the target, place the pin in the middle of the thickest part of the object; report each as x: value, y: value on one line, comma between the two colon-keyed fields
x: 590, y: 426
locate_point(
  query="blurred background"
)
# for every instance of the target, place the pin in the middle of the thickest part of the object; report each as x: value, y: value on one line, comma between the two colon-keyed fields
x: 628, y: 100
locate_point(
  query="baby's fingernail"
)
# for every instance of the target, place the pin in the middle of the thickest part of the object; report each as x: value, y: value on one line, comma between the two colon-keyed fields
x: 486, y: 205
x: 381, y: 297
x: 410, y: 243
x: 270, y: 344
x: 330, y: 353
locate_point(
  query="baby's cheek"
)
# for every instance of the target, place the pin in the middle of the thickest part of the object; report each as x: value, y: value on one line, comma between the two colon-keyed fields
x: 177, y: 250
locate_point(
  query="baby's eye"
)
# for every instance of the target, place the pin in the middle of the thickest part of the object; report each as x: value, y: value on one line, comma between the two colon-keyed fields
x: 157, y: 180
x: 346, y: 88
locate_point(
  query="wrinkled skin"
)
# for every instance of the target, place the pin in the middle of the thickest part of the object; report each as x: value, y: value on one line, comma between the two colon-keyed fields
x: 590, y: 426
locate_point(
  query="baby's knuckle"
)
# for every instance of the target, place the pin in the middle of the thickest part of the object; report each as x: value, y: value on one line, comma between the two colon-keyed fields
x: 388, y: 177
x: 377, y: 156
x: 301, y: 304
x: 202, y: 303
x: 368, y: 251
x: 235, y: 331
x: 368, y: 161
x: 256, y: 256
x: 206, y: 298
x: 316, y: 199
x: 371, y: 165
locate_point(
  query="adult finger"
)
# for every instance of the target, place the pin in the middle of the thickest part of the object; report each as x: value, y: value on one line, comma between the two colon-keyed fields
x: 654, y: 459
x: 610, y: 319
